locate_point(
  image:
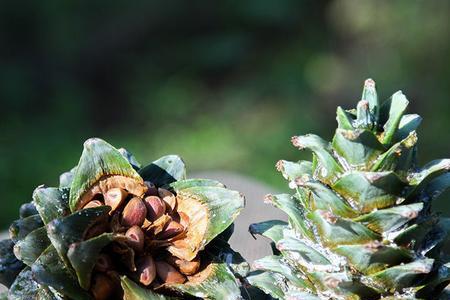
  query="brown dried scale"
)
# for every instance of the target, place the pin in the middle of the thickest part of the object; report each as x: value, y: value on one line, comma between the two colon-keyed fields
x: 93, y: 203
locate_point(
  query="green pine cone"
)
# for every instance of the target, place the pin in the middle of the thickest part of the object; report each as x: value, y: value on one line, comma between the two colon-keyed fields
x: 360, y: 219
x: 114, y: 230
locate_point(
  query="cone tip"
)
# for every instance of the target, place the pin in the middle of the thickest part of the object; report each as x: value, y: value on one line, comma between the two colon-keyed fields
x: 91, y: 142
x: 369, y: 83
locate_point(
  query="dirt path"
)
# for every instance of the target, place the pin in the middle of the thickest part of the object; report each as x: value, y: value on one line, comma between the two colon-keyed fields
x: 255, y: 211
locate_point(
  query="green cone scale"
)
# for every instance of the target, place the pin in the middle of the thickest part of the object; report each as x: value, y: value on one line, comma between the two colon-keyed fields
x: 116, y: 230
x: 360, y: 219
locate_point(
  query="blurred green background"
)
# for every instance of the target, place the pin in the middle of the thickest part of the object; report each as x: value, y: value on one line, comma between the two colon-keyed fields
x: 225, y: 84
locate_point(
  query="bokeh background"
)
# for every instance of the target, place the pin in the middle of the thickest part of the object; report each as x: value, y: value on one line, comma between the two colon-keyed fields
x: 225, y: 84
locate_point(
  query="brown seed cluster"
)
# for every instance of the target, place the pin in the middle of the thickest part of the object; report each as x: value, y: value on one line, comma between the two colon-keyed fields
x: 148, y: 225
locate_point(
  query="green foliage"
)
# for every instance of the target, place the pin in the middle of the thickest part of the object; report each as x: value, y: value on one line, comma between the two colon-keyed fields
x: 222, y: 85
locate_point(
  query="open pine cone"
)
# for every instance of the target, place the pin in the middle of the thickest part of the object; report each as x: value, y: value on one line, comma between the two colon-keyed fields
x: 114, y: 230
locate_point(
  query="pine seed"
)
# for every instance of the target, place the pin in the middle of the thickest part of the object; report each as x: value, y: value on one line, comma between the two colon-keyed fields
x: 134, y: 213
x: 102, y: 287
x: 168, y: 273
x: 136, y: 238
x: 169, y: 199
x: 146, y: 270
x: 171, y: 229
x: 155, y: 207
x: 152, y: 190
x: 114, y: 198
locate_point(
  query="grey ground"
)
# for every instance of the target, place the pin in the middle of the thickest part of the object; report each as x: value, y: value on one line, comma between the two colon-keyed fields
x: 255, y: 211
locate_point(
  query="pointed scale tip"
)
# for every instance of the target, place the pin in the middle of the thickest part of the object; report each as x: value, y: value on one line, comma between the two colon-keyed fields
x: 92, y: 141
x: 399, y: 93
x: 302, y: 180
x: 332, y: 282
x: 257, y: 266
x: 295, y: 140
x: 363, y: 104
x: 268, y: 199
x: 369, y: 83
x: 279, y: 166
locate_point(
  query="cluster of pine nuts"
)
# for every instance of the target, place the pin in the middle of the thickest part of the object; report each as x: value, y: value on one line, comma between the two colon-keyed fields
x: 148, y: 225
